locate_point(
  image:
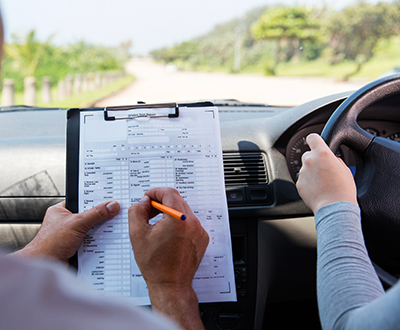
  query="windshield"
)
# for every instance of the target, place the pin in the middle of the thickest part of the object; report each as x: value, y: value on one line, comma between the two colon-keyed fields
x: 83, y: 53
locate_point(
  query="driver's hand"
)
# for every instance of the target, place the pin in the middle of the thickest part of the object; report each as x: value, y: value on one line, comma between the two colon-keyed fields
x: 324, y: 178
x: 62, y: 232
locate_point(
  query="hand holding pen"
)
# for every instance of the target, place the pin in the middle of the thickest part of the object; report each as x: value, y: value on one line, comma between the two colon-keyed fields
x: 169, y: 252
x: 182, y: 243
x: 168, y: 210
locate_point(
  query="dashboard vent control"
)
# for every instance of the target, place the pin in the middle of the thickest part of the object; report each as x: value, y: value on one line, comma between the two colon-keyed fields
x: 244, y: 169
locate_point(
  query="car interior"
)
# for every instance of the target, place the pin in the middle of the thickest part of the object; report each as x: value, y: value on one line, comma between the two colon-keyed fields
x: 273, y: 232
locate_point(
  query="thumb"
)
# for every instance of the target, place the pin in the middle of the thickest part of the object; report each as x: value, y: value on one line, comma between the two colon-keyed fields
x: 99, y: 213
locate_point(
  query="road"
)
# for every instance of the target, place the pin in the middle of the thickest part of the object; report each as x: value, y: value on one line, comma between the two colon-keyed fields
x: 154, y: 84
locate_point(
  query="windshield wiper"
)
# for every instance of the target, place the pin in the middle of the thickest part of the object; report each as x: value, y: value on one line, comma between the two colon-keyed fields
x: 10, y: 108
x: 236, y: 103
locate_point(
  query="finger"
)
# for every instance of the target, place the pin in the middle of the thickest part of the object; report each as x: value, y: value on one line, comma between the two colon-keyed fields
x: 341, y: 161
x: 99, y: 213
x: 139, y: 215
x: 315, y: 141
x: 165, y: 195
x: 58, y: 205
x: 170, y: 197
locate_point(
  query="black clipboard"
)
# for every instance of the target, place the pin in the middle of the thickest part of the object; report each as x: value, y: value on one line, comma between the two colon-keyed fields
x: 73, y: 142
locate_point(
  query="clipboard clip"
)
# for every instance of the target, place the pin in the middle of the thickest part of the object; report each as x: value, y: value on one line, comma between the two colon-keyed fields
x: 139, y: 107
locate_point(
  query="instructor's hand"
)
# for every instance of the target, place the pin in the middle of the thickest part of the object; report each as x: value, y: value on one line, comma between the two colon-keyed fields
x: 172, y: 247
x: 62, y: 232
x: 168, y: 254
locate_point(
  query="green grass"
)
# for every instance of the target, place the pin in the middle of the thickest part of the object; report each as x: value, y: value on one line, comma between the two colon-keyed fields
x: 387, y: 56
x: 80, y: 100
x: 321, y: 68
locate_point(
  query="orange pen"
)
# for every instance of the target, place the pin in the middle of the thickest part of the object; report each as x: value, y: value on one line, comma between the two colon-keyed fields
x: 165, y: 209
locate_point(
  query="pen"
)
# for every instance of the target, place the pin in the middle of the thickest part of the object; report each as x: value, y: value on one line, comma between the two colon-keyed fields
x: 168, y: 210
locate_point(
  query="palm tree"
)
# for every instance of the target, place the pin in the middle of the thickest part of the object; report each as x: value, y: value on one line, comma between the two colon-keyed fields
x: 26, y: 52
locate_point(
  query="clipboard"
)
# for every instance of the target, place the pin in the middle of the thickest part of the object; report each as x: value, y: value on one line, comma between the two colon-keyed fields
x: 168, y: 136
x: 73, y: 128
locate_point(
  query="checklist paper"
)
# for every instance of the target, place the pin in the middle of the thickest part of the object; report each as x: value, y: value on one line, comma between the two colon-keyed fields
x: 120, y: 160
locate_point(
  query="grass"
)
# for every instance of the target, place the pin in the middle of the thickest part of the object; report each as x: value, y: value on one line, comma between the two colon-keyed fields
x: 386, y: 58
x: 322, y: 68
x: 81, y: 100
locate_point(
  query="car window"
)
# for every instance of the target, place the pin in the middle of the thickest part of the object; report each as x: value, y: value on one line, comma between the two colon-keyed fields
x: 77, y: 53
x: 83, y: 53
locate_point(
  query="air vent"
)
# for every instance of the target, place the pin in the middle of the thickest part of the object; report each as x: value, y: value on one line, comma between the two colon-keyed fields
x: 244, y: 169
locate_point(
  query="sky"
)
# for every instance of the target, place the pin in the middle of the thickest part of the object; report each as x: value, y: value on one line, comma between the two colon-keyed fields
x: 148, y: 24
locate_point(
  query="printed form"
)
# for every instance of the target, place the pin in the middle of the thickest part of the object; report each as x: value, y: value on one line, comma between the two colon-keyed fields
x: 120, y: 160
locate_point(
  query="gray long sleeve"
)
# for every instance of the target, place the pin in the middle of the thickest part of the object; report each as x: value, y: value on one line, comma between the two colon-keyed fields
x: 350, y: 295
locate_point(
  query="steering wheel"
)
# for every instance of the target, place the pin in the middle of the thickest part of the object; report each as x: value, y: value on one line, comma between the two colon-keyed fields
x: 378, y: 174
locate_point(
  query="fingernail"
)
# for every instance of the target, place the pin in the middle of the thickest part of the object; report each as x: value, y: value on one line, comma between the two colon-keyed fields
x: 112, y: 207
x: 144, y: 198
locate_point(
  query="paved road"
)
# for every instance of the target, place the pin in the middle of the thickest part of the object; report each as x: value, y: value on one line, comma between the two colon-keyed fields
x: 155, y: 84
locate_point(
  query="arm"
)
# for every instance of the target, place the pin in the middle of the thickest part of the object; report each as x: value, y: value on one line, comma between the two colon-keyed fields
x: 168, y: 255
x: 349, y: 293
x: 62, y: 232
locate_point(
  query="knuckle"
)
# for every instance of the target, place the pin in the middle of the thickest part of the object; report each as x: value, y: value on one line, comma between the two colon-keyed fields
x: 100, y: 212
x: 307, y: 159
x: 325, y: 153
x: 172, y: 190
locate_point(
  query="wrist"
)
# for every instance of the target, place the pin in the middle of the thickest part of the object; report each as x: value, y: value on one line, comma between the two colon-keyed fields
x: 36, y: 250
x: 177, y: 302
x: 29, y: 251
x: 164, y: 294
x: 326, y: 202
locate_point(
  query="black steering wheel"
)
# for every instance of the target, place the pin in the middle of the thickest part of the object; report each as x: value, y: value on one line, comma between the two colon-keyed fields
x: 378, y: 171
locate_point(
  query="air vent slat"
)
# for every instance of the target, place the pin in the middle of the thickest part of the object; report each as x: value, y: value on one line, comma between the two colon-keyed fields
x: 244, y: 169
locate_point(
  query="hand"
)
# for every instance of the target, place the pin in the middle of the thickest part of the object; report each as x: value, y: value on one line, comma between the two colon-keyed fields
x: 168, y: 254
x: 324, y: 178
x: 62, y: 232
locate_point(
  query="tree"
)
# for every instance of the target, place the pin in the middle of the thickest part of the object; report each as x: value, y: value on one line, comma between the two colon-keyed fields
x: 290, y: 27
x: 26, y: 52
x: 26, y: 56
x: 356, y: 30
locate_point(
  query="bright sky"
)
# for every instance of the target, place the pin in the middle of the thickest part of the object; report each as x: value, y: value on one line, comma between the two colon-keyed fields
x: 149, y: 24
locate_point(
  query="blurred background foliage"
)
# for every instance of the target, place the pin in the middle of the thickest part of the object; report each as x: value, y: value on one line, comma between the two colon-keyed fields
x: 27, y: 56
x: 281, y: 40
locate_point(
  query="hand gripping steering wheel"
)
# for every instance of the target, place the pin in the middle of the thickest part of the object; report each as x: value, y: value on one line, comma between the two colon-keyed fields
x: 378, y: 174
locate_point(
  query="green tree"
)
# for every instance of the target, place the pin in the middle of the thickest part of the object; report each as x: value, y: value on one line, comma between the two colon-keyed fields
x: 26, y: 56
x: 216, y: 49
x: 355, y: 32
x: 26, y: 52
x: 290, y: 27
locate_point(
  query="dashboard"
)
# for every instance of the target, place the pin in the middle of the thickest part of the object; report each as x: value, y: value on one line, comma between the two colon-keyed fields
x: 273, y: 234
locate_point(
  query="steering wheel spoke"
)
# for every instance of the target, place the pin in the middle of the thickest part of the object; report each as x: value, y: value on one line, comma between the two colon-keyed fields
x: 377, y: 189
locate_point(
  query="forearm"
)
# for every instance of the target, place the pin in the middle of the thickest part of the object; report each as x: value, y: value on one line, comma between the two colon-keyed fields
x: 181, y: 305
x: 346, y: 279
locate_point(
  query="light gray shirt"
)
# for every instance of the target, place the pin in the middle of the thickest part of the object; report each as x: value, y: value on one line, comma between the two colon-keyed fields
x: 37, y: 295
x: 350, y: 295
